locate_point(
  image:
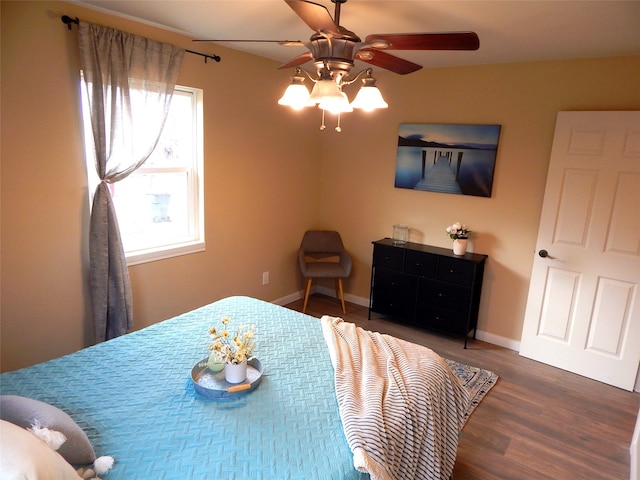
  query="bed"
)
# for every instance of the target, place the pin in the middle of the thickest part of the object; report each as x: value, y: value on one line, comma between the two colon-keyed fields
x: 134, y: 398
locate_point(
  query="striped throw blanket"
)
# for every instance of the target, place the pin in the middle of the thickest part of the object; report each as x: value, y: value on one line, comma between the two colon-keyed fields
x: 401, y: 407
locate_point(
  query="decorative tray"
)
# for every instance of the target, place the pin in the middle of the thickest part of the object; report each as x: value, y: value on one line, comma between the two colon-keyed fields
x: 213, y: 385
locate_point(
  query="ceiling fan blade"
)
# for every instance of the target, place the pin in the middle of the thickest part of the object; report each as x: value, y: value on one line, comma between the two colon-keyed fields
x: 316, y: 16
x: 299, y: 60
x: 387, y: 61
x: 288, y: 43
x: 428, y: 41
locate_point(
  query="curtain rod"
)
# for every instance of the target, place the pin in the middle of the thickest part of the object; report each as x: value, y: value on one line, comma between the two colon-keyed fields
x: 67, y: 20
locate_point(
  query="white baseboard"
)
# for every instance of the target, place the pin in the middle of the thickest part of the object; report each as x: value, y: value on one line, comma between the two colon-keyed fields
x: 364, y: 302
x: 498, y: 340
x: 329, y: 292
x: 292, y: 297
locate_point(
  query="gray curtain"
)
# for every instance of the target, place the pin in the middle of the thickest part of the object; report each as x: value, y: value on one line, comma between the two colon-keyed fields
x: 129, y: 82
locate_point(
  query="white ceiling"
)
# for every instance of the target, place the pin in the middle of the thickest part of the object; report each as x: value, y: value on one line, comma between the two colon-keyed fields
x: 509, y: 31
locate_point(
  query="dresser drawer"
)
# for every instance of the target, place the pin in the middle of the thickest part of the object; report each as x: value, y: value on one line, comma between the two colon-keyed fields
x: 444, y: 294
x: 392, y: 304
x: 421, y: 264
x: 399, y: 284
x: 388, y: 257
x: 455, y: 271
x: 442, y: 319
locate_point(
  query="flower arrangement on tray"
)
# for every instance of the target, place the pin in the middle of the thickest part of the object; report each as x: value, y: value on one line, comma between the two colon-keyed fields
x: 458, y: 231
x: 232, y: 347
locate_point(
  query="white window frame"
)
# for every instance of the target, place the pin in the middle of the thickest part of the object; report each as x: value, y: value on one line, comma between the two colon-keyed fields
x: 195, y: 173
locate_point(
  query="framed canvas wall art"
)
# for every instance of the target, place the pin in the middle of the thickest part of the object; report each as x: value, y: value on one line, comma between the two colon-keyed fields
x: 447, y: 158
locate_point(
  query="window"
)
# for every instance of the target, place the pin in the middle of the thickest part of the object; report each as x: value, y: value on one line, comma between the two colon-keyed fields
x: 160, y: 206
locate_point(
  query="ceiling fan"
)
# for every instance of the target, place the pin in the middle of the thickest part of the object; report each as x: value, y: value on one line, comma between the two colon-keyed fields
x: 334, y: 47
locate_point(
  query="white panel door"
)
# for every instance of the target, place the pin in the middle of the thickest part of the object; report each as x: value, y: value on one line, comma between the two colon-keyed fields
x: 583, y: 310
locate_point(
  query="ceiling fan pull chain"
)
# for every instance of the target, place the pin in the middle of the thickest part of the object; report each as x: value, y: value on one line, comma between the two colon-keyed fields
x: 338, y: 127
x: 322, y: 125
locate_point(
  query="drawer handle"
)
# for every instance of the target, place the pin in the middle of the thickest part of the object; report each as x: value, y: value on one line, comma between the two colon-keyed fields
x: 441, y: 295
x: 454, y: 272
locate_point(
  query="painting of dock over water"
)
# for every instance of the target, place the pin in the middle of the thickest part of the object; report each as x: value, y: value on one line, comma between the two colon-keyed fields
x: 457, y: 159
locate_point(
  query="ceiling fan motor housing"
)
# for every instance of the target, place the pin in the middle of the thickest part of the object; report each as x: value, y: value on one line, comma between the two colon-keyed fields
x: 335, y: 52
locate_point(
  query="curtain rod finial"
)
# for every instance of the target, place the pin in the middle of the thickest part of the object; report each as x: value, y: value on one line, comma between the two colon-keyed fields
x: 67, y: 20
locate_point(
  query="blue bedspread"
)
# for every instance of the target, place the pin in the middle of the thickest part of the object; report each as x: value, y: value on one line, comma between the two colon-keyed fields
x: 133, y: 397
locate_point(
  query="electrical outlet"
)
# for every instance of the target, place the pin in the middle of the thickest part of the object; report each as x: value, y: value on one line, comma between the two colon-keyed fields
x: 265, y: 278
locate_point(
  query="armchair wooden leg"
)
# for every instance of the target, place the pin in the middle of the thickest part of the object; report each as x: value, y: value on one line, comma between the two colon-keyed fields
x: 306, y: 295
x: 340, y: 292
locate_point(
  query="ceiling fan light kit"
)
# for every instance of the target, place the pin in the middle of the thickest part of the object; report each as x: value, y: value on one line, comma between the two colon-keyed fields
x: 333, y: 50
x: 328, y: 95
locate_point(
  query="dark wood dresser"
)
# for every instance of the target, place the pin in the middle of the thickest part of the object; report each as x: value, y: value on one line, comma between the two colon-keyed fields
x: 427, y: 286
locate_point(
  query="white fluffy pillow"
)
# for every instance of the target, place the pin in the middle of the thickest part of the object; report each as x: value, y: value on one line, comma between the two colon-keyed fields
x: 23, y: 456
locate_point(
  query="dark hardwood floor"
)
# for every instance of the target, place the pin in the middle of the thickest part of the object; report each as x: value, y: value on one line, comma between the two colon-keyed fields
x: 537, y: 423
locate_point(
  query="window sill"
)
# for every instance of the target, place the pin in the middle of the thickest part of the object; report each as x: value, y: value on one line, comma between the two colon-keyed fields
x: 162, y: 253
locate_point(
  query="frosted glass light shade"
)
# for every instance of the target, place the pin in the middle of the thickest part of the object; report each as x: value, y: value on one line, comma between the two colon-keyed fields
x: 325, y: 90
x: 369, y: 98
x: 339, y: 104
x: 295, y: 96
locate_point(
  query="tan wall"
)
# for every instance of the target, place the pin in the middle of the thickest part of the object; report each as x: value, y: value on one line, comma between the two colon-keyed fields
x: 269, y: 175
x: 358, y: 194
x: 261, y: 190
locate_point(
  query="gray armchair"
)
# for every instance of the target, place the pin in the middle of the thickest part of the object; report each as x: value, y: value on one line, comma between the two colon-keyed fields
x: 322, y: 255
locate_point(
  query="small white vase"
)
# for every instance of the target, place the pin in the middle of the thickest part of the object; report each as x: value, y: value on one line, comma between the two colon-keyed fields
x: 460, y: 246
x: 235, y: 373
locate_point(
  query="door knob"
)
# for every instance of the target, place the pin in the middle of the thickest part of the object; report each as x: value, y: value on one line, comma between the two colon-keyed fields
x: 545, y: 254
